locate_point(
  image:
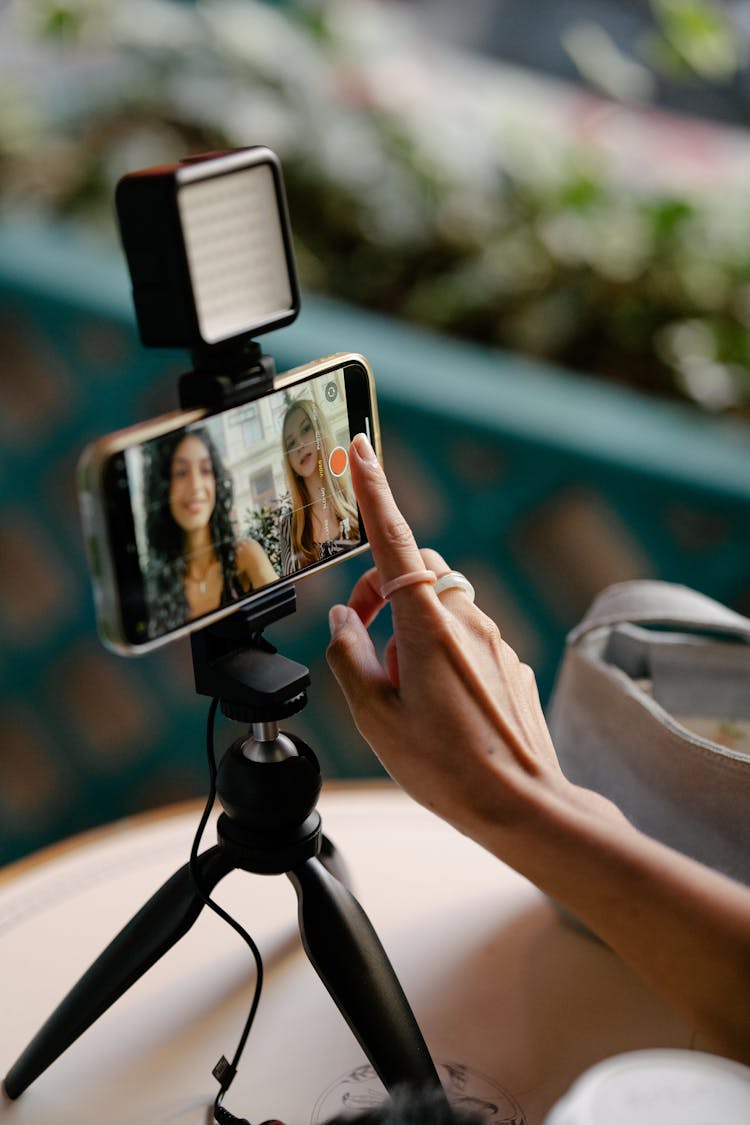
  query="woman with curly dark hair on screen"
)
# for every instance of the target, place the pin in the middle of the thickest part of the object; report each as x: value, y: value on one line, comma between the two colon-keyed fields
x: 196, y: 562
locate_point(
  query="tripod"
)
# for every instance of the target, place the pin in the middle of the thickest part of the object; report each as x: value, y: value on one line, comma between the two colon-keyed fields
x: 268, y: 784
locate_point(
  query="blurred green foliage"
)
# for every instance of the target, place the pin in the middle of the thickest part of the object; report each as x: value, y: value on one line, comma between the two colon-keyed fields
x: 413, y: 190
x: 694, y: 37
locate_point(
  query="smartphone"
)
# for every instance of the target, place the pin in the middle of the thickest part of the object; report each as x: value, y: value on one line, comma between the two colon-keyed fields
x: 191, y: 515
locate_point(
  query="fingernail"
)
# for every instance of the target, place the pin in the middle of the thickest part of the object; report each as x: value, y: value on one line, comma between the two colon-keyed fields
x: 338, y: 616
x: 363, y: 448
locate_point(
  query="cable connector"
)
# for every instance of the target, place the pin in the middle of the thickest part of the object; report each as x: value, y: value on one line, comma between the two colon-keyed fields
x: 224, y: 1073
x: 222, y: 1116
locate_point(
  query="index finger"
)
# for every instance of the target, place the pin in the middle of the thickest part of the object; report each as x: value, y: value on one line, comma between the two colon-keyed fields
x: 393, y: 546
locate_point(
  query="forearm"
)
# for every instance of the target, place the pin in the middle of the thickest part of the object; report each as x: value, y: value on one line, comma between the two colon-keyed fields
x: 455, y: 717
x: 683, y: 927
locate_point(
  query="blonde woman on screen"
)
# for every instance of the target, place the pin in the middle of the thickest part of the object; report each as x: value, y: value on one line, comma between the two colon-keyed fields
x: 323, y: 519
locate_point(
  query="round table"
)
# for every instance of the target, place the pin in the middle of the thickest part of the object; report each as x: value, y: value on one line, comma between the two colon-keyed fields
x: 513, y: 1002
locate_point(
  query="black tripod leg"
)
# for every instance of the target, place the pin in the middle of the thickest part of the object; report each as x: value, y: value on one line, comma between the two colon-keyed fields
x: 330, y: 857
x: 342, y: 945
x: 157, y: 926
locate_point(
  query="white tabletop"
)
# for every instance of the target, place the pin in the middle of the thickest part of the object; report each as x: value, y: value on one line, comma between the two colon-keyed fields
x: 513, y: 1003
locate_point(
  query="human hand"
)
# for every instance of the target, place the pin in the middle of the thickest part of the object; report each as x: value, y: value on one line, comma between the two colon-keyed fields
x: 455, y: 718
x: 451, y: 712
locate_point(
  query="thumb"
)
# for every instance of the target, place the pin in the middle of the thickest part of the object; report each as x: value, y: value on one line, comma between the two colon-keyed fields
x: 352, y: 659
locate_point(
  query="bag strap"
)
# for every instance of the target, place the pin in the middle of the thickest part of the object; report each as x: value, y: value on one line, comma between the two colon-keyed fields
x: 660, y: 603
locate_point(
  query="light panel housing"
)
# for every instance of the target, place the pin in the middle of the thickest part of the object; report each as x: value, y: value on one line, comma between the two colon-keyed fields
x: 209, y: 249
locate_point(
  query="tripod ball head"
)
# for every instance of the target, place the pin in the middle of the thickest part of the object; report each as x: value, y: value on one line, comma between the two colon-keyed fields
x: 270, y: 822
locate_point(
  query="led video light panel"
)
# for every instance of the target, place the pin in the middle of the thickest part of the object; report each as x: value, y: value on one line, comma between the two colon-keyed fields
x: 235, y: 251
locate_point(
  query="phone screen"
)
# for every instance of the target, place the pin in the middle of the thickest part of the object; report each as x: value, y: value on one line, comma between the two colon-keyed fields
x: 201, y: 518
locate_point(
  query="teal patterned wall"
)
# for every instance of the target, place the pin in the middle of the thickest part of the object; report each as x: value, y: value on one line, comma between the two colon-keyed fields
x: 543, y: 487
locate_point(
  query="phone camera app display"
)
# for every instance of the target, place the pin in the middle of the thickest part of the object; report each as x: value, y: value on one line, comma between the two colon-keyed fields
x: 242, y: 499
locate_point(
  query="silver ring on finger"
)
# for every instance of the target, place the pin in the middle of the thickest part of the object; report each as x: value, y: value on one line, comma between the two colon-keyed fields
x: 454, y: 580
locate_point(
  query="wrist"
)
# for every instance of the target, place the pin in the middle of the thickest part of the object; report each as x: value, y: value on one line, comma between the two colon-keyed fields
x: 557, y: 830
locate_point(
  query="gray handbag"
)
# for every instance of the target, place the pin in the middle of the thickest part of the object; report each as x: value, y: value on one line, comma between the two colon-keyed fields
x: 652, y: 709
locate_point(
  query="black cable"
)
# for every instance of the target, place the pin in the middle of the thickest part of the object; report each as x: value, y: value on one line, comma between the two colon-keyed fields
x: 224, y: 1071
x: 224, y: 1117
